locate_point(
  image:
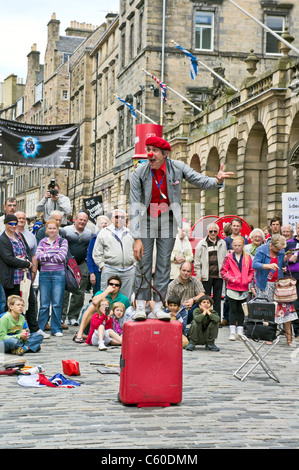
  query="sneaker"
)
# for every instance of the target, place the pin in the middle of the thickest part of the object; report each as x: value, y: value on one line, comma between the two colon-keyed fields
x: 212, y: 347
x: 73, y: 322
x: 190, y: 347
x: 102, y: 346
x: 44, y: 335
x: 58, y: 333
x: 19, y: 351
x: 139, y: 315
x: 232, y: 337
x: 161, y: 315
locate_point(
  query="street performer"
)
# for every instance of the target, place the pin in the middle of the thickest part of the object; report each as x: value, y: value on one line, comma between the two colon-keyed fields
x: 155, y: 214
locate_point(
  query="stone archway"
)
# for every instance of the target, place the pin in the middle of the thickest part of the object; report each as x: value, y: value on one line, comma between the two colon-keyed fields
x: 256, y: 177
x: 230, y: 189
x: 212, y: 196
x: 193, y: 211
x: 293, y: 158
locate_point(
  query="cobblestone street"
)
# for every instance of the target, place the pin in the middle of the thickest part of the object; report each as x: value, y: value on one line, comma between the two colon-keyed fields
x: 218, y: 410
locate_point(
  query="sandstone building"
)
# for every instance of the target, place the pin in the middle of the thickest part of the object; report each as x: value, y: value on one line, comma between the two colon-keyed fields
x: 254, y: 131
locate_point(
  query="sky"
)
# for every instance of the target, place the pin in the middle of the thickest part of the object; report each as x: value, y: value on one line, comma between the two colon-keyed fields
x: 24, y: 22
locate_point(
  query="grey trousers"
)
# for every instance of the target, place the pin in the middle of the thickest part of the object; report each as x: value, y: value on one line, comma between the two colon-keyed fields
x: 161, y: 233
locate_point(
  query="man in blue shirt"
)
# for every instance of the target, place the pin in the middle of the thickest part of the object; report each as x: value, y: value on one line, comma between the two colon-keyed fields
x: 112, y: 293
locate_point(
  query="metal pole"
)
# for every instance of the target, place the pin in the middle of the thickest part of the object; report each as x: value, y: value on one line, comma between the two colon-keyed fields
x: 163, y: 57
x: 139, y: 112
x: 266, y: 28
x: 181, y: 96
x: 213, y: 72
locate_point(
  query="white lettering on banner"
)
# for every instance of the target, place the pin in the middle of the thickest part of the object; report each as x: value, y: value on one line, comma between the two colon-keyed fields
x: 290, y: 208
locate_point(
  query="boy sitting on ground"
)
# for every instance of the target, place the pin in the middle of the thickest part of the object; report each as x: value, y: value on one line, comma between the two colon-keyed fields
x: 178, y: 312
x: 14, y: 338
x: 204, y: 326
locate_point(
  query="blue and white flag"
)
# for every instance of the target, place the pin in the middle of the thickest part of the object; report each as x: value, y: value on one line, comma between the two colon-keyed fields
x: 132, y: 109
x: 193, y: 61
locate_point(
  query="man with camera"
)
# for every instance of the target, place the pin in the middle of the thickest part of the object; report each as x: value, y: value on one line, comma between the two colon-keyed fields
x: 53, y: 201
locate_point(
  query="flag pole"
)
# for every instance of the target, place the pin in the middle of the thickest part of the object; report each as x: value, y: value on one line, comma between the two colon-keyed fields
x: 181, y: 96
x: 163, y: 58
x: 212, y: 71
x: 141, y: 114
x: 279, y: 38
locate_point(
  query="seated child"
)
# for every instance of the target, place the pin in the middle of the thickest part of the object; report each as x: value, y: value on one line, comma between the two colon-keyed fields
x: 13, y: 336
x: 101, y: 326
x: 204, y: 326
x: 178, y: 312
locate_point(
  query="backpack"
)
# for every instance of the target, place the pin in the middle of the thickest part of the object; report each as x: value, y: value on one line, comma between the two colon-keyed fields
x: 73, y: 274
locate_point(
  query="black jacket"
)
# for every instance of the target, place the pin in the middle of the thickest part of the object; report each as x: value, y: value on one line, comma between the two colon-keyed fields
x: 8, y: 262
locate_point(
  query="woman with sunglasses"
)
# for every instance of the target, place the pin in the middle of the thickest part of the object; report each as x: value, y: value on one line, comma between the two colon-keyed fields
x: 14, y: 260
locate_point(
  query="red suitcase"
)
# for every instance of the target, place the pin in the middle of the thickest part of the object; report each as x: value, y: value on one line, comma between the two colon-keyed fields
x: 151, y: 363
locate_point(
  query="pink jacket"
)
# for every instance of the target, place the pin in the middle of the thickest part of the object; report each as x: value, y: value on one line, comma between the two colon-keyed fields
x: 236, y: 279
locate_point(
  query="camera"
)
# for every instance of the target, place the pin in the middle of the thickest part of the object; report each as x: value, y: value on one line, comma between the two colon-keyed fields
x: 52, y: 189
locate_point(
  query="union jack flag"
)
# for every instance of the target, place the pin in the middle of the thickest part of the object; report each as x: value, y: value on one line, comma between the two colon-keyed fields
x: 162, y: 87
x: 193, y: 61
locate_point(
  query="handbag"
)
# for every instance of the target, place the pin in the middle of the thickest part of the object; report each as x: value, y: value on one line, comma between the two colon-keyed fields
x: 25, y: 286
x: 285, y: 290
x: 258, y: 330
x: 73, y: 275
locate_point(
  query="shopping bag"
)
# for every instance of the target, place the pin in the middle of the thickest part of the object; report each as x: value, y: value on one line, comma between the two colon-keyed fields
x: 285, y: 290
x: 25, y: 286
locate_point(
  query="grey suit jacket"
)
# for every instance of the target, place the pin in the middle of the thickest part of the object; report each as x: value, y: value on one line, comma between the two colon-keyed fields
x: 141, y: 190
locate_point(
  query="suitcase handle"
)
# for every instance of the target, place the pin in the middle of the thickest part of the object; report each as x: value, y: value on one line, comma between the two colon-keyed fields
x: 121, y: 362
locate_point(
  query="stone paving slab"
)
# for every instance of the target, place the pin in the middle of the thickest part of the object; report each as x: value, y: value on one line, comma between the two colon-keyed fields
x: 218, y: 411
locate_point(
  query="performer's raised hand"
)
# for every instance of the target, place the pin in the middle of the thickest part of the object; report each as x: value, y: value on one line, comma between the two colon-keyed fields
x: 221, y: 175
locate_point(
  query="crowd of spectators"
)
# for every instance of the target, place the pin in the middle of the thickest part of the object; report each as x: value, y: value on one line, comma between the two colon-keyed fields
x: 206, y: 289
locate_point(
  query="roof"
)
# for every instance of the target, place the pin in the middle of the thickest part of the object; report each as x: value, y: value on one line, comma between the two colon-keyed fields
x: 69, y: 44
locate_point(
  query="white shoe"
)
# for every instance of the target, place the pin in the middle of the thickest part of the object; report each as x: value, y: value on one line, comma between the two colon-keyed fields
x: 139, y: 314
x: 73, y: 322
x: 161, y: 315
x: 232, y: 337
x: 102, y: 346
x: 58, y: 333
x: 44, y: 334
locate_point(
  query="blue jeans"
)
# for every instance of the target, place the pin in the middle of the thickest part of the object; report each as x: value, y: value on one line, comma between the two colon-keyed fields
x: 33, y: 343
x: 51, y: 286
x: 2, y: 300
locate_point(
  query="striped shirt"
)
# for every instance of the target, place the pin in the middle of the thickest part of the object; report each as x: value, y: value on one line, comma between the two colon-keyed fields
x: 51, y: 256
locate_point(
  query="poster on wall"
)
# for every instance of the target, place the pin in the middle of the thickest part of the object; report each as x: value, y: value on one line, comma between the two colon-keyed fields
x: 94, y: 205
x: 41, y: 146
x: 290, y: 208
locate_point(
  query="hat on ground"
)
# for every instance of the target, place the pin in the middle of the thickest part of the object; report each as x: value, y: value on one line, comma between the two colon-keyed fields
x: 10, y: 218
x: 157, y: 142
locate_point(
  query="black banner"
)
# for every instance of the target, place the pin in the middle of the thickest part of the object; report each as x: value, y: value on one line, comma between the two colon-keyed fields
x: 38, y: 145
x: 94, y: 206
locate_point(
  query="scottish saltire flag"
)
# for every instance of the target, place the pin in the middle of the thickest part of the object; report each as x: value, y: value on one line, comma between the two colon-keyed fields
x: 162, y: 87
x: 193, y: 61
x: 132, y: 109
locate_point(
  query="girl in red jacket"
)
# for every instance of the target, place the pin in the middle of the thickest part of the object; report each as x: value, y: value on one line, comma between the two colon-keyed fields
x: 238, y: 272
x: 101, y: 331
